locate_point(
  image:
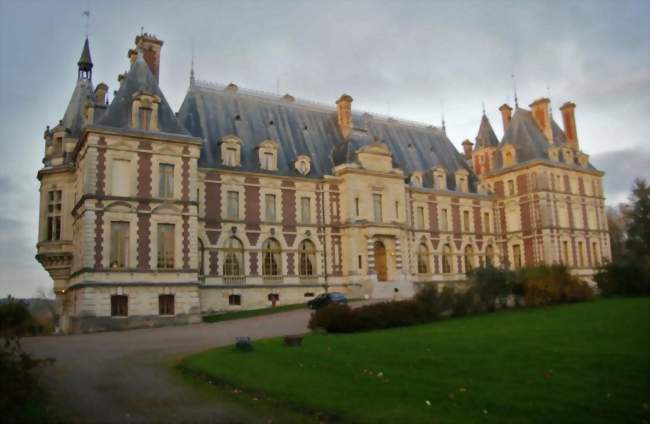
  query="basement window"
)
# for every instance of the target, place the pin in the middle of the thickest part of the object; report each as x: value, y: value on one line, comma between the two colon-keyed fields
x: 119, y: 305
x: 234, y: 299
x: 166, y: 304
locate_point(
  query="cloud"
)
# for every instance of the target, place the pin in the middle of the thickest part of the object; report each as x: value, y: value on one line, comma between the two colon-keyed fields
x: 621, y: 168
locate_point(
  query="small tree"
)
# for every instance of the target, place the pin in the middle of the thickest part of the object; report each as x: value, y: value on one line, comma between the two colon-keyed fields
x: 638, y: 223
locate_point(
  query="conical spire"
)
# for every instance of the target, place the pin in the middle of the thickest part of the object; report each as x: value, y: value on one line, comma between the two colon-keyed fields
x: 85, y: 63
x: 486, y: 136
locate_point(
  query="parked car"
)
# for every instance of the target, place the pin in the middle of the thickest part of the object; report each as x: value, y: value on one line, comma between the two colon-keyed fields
x: 325, y: 299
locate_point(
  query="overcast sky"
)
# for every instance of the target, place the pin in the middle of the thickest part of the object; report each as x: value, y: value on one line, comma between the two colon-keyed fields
x: 404, y: 58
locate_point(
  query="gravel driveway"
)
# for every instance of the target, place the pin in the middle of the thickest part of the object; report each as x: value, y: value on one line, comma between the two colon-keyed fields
x: 118, y: 377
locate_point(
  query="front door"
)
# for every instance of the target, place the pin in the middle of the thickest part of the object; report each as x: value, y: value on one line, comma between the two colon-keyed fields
x: 380, y: 261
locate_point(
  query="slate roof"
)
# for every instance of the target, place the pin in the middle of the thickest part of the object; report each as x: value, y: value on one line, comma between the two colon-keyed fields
x: 485, y: 136
x: 139, y: 78
x: 85, y: 62
x: 74, y: 116
x: 528, y: 140
x: 211, y: 111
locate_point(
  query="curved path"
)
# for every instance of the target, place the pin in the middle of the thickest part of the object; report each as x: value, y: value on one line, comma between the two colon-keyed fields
x: 119, y: 377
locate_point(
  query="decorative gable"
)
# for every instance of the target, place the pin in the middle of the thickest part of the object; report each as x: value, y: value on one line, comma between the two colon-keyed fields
x: 231, y: 151
x: 268, y: 155
x: 302, y: 164
x: 462, y: 180
x: 416, y: 179
x: 440, y: 178
x: 144, y: 111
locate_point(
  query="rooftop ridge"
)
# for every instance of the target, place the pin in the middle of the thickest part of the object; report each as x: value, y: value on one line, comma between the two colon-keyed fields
x: 267, y: 95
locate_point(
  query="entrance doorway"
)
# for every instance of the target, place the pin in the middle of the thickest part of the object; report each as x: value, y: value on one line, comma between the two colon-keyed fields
x: 380, y: 261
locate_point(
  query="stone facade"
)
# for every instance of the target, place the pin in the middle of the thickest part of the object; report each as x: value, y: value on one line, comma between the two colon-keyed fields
x: 139, y: 227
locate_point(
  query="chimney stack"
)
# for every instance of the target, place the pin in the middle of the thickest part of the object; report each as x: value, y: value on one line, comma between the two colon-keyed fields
x: 344, y: 112
x: 467, y: 149
x: 542, y: 117
x: 506, y: 115
x: 100, y: 94
x: 569, y: 119
x: 150, y: 46
x: 132, y: 55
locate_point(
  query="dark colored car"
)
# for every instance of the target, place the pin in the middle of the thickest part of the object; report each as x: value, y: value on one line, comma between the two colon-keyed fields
x: 325, y: 299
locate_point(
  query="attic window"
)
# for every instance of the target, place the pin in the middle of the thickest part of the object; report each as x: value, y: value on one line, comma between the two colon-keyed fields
x: 268, y: 155
x: 303, y: 164
x: 305, y: 128
x: 237, y: 118
x: 271, y: 122
x: 144, y: 111
x: 410, y: 146
x: 231, y: 151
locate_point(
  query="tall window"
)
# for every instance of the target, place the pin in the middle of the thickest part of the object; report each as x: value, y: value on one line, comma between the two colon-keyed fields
x: 516, y: 255
x: 232, y: 203
x: 271, y: 257
x: 201, y: 253
x: 396, y: 210
x: 581, y: 258
x: 376, y: 206
x: 305, y: 210
x: 54, y: 215
x: 511, y: 188
x: 233, y: 264
x: 489, y: 256
x: 423, y: 259
x: 269, y: 207
x: 594, y: 254
x: 165, y: 246
x: 446, y: 259
x: 166, y: 304
x: 268, y: 161
x: 119, y: 305
x: 166, y: 180
x: 486, y: 222
x: 565, y: 253
x: 120, y: 177
x: 469, y: 258
x: 356, y: 206
x: 144, y: 117
x: 307, y: 265
x: 230, y: 156
x: 119, y: 245
x: 444, y: 223
x: 466, y: 221
x: 420, y: 217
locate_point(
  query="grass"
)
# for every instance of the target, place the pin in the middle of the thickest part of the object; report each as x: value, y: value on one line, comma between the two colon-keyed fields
x: 578, y: 363
x: 226, y: 316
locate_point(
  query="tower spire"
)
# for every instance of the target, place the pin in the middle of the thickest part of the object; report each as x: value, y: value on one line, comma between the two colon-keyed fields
x: 442, y: 113
x: 192, y: 67
x: 514, y: 88
x: 85, y: 63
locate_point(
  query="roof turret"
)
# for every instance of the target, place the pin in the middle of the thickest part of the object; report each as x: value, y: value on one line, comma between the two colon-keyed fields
x: 85, y: 62
x: 486, y: 136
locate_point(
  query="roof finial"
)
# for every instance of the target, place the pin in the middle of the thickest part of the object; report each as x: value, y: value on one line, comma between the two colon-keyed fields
x: 442, y: 113
x: 548, y: 94
x: 192, y: 66
x: 86, y: 13
x: 483, y: 106
x: 514, y: 88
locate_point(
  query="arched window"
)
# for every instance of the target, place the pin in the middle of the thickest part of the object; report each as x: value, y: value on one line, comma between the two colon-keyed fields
x: 200, y: 253
x: 307, y: 264
x: 446, y: 259
x: 469, y: 258
x: 271, y: 258
x: 423, y: 259
x: 489, y: 256
x: 233, y: 264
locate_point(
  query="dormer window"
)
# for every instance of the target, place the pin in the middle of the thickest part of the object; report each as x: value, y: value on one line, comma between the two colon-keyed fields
x: 568, y: 156
x: 462, y: 177
x: 416, y: 179
x: 439, y: 178
x: 268, y: 155
x: 144, y: 111
x: 231, y: 151
x: 553, y: 154
x: 583, y: 159
x: 303, y: 164
x: 509, y: 156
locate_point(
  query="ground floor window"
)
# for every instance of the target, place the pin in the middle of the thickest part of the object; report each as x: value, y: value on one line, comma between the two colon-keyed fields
x: 274, y: 297
x: 166, y: 304
x: 119, y: 305
x: 234, y: 299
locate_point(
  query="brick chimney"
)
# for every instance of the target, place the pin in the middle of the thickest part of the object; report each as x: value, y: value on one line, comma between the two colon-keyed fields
x: 542, y: 117
x: 506, y: 115
x: 150, y: 46
x: 467, y: 149
x: 344, y: 113
x: 569, y: 119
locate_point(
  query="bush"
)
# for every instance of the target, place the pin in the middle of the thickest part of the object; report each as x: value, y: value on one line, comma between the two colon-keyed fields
x: 492, y: 286
x: 624, y: 279
x: 548, y: 285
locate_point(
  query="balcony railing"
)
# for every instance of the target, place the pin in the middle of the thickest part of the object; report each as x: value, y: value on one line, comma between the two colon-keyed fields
x: 234, y: 279
x: 272, y: 278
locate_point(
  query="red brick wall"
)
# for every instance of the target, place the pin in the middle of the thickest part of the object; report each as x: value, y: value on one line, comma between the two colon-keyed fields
x: 100, y: 187
x: 99, y: 236
x: 212, y: 200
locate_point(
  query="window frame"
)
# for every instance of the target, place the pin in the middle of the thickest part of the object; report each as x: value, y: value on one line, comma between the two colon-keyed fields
x: 119, y: 305
x: 166, y: 304
x: 166, y: 180
x: 166, y: 252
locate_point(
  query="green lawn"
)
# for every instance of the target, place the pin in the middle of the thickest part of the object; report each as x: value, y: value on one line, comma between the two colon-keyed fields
x: 226, y: 316
x: 577, y: 363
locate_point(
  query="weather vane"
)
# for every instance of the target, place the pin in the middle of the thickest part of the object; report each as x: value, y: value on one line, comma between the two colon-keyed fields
x: 86, y: 13
x: 514, y: 88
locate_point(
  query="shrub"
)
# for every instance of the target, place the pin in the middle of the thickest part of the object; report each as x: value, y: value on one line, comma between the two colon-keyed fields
x: 624, y: 279
x: 492, y: 286
x: 548, y: 285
